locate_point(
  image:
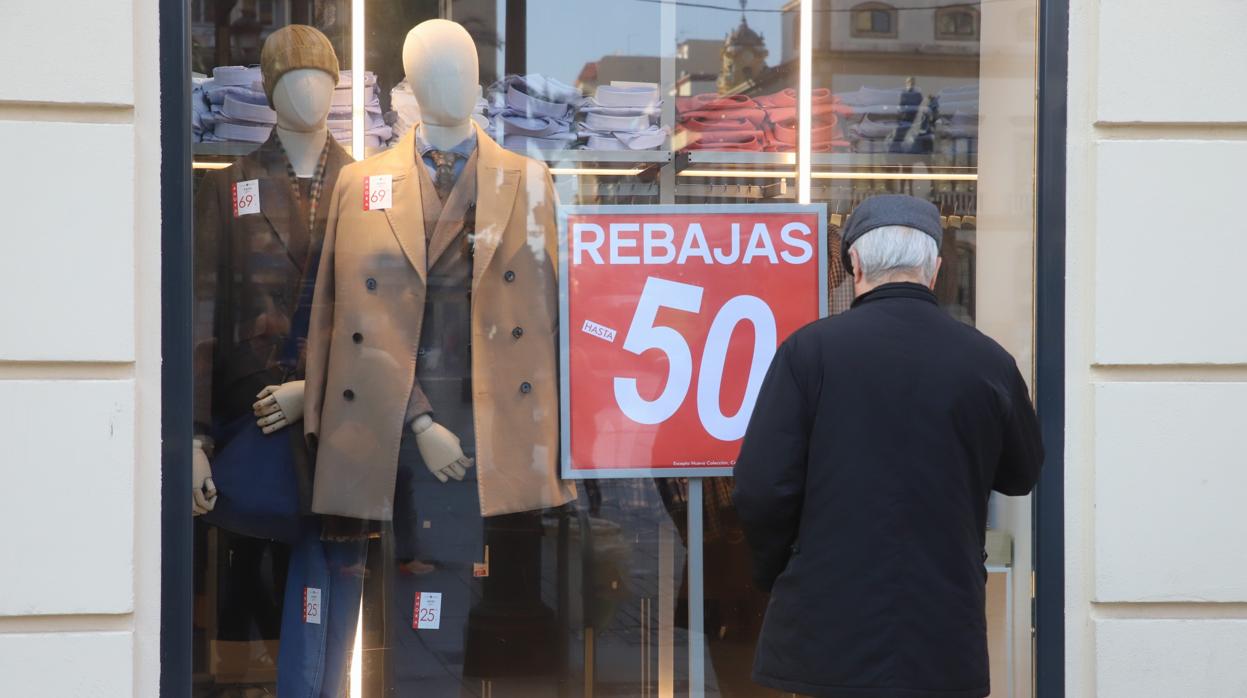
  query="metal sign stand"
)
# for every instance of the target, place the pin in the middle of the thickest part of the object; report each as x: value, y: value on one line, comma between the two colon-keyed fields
x: 696, y: 593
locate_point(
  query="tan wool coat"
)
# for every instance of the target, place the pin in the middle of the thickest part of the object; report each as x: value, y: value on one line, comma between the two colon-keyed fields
x: 365, y: 332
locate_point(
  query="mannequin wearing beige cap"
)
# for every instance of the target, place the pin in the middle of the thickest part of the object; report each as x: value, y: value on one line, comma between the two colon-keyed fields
x: 300, y: 71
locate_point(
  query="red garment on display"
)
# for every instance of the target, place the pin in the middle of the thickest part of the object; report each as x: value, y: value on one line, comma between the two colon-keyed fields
x: 750, y: 140
x: 713, y: 102
x: 770, y: 120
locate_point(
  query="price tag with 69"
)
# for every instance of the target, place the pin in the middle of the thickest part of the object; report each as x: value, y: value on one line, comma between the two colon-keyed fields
x: 675, y: 313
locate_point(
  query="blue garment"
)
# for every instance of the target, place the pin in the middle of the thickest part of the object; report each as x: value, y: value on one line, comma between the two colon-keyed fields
x: 314, y: 657
x: 464, y: 148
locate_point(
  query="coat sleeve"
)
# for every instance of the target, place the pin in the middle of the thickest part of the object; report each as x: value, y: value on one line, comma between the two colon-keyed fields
x: 320, y: 325
x: 209, y: 232
x: 417, y: 404
x: 770, y: 472
x: 1022, y: 452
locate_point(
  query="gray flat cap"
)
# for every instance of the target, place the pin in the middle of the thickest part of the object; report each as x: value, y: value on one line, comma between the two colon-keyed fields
x: 889, y: 209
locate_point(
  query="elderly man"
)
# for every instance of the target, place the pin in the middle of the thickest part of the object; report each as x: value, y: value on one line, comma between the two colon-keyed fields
x: 864, y: 476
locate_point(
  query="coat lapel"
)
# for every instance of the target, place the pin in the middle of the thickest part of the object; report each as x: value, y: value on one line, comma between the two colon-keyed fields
x: 406, y: 215
x: 452, y: 217
x: 337, y: 159
x: 496, y: 187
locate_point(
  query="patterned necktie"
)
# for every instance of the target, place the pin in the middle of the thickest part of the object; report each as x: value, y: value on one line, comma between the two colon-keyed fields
x: 444, y: 178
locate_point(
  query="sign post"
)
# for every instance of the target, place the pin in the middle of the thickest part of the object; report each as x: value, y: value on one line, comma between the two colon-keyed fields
x: 669, y: 319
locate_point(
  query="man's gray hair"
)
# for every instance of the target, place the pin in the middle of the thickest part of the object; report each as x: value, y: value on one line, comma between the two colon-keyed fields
x: 896, y: 250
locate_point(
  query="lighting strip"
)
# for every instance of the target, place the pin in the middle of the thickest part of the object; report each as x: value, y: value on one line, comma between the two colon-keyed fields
x: 899, y: 176
x: 770, y: 174
x: 200, y: 165
x: 357, y: 657
x: 805, y: 94
x: 605, y: 171
x: 357, y: 79
x: 877, y: 176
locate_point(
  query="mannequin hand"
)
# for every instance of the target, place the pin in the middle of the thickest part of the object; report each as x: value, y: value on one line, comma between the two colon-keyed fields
x: 440, y: 449
x: 279, y: 406
x: 203, y: 490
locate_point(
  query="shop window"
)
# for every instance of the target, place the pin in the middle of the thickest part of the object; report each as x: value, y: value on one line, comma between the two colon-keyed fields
x: 874, y: 20
x: 956, y: 24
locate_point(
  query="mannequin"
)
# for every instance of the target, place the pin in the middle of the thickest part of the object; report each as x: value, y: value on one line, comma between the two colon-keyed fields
x: 432, y: 380
x: 447, y: 91
x: 301, y: 98
x: 254, y: 275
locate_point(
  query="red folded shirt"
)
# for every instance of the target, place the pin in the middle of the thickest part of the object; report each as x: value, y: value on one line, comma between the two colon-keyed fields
x: 822, y: 130
x: 713, y: 102
x: 750, y: 140
x: 725, y: 120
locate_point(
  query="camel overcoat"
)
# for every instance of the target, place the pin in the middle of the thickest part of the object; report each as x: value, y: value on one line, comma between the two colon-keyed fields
x: 365, y: 334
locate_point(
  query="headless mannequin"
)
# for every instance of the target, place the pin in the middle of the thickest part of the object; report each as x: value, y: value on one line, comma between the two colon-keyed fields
x: 440, y: 60
x: 301, y: 99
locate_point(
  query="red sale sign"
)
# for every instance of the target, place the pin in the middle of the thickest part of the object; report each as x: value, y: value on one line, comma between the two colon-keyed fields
x: 670, y: 316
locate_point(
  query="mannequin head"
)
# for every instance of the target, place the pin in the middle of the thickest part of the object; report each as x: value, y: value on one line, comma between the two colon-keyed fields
x: 441, y: 64
x: 302, y: 98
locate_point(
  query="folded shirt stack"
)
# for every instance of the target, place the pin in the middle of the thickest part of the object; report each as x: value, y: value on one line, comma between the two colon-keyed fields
x: 622, y: 116
x: 376, y: 132
x: 230, y: 106
x: 767, y: 123
x: 532, y: 113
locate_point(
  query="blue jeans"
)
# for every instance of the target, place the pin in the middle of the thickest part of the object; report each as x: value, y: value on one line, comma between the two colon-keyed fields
x: 314, y: 657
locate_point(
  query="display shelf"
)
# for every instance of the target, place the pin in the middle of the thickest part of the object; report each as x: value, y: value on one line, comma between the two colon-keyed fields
x: 602, y: 157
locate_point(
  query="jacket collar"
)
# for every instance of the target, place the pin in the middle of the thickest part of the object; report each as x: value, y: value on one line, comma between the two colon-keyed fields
x: 497, y: 184
x: 900, y: 289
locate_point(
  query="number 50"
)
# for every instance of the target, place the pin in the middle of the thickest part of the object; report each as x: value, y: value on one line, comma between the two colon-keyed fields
x: 644, y: 335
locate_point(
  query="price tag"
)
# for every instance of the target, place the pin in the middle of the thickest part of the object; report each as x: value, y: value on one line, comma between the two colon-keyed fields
x: 428, y: 611
x: 481, y: 569
x: 246, y: 197
x: 311, y: 605
x: 378, y: 192
x: 680, y: 311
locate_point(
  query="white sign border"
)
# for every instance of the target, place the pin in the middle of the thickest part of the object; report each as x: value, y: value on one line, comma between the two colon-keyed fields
x: 565, y: 329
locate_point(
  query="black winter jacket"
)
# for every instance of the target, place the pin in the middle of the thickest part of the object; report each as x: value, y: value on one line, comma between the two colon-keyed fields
x: 862, y: 485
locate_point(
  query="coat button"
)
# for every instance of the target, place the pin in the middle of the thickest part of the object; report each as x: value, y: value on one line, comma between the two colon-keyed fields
x: 526, y: 387
x: 357, y: 338
x: 517, y: 332
x: 371, y: 284
x: 348, y: 394
x: 421, y: 351
x: 509, y: 276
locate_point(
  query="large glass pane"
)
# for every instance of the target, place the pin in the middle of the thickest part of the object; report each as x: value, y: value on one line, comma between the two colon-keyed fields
x: 393, y: 322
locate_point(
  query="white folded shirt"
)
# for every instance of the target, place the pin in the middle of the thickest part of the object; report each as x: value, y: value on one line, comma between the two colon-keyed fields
x: 244, y: 133
x: 609, y: 122
x: 237, y: 75
x: 627, y: 94
x: 235, y: 109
